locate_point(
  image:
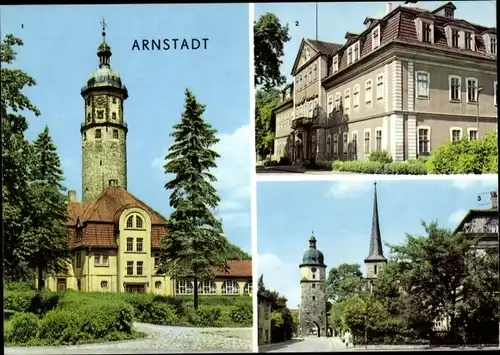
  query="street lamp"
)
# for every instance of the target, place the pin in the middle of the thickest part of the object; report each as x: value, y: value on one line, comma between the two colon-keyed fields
x: 479, y: 89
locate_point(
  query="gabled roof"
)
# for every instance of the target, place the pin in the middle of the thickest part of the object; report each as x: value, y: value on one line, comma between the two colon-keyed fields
x: 107, y: 206
x: 320, y: 47
x: 448, y: 5
x: 459, y: 23
x: 475, y: 212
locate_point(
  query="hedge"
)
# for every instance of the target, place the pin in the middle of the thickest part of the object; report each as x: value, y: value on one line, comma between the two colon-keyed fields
x: 414, y: 167
x: 389, y: 334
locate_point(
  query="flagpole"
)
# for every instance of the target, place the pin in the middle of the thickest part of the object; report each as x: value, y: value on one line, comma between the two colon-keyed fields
x: 316, y: 21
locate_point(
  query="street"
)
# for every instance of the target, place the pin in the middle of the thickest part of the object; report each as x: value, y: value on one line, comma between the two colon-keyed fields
x: 312, y: 344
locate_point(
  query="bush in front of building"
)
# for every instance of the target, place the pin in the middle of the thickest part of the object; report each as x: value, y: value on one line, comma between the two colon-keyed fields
x: 382, y: 156
x: 466, y: 157
x: 414, y: 167
x: 21, y: 328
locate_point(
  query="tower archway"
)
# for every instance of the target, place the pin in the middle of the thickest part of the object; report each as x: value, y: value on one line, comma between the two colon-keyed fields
x: 315, y: 329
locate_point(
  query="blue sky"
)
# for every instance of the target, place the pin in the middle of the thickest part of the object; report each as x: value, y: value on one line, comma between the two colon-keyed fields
x: 335, y: 19
x: 60, y: 53
x: 340, y: 214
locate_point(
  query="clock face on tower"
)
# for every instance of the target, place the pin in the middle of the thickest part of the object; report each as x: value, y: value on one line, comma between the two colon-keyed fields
x: 313, y: 269
x: 100, y: 101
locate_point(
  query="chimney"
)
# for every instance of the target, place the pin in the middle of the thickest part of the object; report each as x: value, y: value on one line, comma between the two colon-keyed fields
x: 113, y: 182
x: 411, y: 3
x: 72, y: 196
x: 494, y: 200
x: 388, y: 8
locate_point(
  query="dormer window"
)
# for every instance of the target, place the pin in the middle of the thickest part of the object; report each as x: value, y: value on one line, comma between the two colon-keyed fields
x: 356, y: 51
x: 493, y: 45
x: 349, y: 55
x: 335, y: 64
x: 468, y: 40
x: 426, y: 32
x: 448, y: 12
x: 454, y: 38
x: 376, y: 38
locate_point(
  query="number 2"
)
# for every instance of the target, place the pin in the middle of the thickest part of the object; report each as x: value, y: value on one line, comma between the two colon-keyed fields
x: 296, y: 23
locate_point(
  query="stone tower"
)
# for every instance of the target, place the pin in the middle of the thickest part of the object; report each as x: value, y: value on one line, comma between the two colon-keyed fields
x: 312, y: 311
x: 375, y: 260
x: 104, y: 131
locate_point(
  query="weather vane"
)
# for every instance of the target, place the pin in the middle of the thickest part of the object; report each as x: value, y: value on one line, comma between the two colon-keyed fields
x: 103, y: 24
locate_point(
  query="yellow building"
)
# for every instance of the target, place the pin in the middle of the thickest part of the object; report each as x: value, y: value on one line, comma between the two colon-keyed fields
x: 114, y: 237
x: 264, y: 319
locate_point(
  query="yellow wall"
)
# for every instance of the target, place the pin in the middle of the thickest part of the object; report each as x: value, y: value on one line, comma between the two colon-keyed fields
x: 93, y: 274
x: 306, y: 273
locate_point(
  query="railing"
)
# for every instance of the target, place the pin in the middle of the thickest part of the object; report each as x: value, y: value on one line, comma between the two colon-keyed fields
x: 302, y: 122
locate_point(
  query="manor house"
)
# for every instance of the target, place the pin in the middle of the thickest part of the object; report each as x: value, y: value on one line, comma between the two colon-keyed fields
x: 114, y: 237
x: 407, y: 83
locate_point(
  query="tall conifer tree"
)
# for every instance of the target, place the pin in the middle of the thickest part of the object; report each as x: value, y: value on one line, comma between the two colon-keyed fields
x: 48, y: 232
x: 194, y: 242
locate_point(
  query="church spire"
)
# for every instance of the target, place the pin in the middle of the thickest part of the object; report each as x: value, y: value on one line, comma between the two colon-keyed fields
x: 104, y: 50
x: 376, y: 250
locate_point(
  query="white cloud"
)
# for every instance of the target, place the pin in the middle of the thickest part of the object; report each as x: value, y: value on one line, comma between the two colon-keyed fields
x: 347, y: 189
x: 469, y: 182
x: 233, y: 176
x: 281, y: 277
x: 457, y: 216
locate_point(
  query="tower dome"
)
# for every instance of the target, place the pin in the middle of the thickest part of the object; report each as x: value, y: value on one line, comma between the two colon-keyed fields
x: 313, y: 256
x: 104, y: 76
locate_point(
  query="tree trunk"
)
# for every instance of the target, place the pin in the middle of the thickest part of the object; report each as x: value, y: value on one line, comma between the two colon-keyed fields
x: 195, y: 293
x: 41, y: 281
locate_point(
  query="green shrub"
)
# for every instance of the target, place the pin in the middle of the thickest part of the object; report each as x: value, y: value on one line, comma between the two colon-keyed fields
x: 159, y: 313
x: 242, y: 315
x: 312, y: 164
x: 43, y: 302
x: 285, y: 161
x: 18, y: 301
x: 382, y: 156
x: 208, y: 316
x: 80, y: 324
x: 21, y: 328
x: 271, y: 162
x: 415, y: 167
x: 19, y: 286
x: 466, y: 157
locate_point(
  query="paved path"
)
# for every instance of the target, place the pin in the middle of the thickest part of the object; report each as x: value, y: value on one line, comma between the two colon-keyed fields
x: 293, y: 170
x: 312, y: 344
x: 160, y: 340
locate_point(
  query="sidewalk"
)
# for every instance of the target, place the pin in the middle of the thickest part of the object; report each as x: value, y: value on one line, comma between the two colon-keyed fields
x: 337, y: 344
x: 273, y: 346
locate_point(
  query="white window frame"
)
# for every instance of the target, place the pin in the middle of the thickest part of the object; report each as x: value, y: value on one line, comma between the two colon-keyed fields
x: 354, y: 134
x: 349, y: 55
x: 207, y: 287
x: 467, y: 89
x: 428, y: 128
x: 335, y: 144
x: 472, y: 129
x: 330, y: 103
x: 379, y: 129
x: 472, y: 41
x: 427, y: 93
x: 338, y: 97
x: 380, y: 83
x: 230, y: 287
x: 183, y: 287
x: 345, y: 142
x: 456, y: 129
x: 355, y: 96
x: 376, y: 37
x: 365, y: 131
x: 358, y: 47
x: 493, y: 40
x: 335, y: 63
x: 450, y: 78
x: 431, y: 27
x: 495, y: 92
x: 368, y: 96
x: 347, y: 99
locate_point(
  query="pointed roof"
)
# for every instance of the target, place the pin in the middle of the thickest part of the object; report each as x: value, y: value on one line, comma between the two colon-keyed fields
x: 376, y: 252
x: 319, y: 47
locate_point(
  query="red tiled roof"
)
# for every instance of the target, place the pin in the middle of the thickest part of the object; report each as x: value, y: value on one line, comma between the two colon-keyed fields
x: 237, y: 268
x: 99, y: 216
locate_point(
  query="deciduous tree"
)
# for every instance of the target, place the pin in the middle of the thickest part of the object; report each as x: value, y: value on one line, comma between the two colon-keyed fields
x: 16, y: 157
x: 343, y: 282
x: 265, y: 102
x: 269, y: 39
x: 194, y: 242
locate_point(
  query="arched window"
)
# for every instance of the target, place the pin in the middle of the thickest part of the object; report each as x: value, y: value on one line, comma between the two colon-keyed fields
x: 230, y: 287
x: 158, y: 284
x: 207, y: 287
x: 248, y: 288
x: 138, y: 222
x: 130, y: 222
x: 183, y: 287
x: 104, y: 284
